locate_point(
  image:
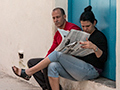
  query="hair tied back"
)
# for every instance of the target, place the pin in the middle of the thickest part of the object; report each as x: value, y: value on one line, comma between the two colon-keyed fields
x: 88, y: 8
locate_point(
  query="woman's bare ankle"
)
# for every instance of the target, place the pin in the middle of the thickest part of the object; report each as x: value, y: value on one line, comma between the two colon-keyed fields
x: 28, y: 72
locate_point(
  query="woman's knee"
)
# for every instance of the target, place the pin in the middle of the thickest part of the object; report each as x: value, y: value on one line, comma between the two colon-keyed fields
x: 54, y: 56
x: 53, y: 65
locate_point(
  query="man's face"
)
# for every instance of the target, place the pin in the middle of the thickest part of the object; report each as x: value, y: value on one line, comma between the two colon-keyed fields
x: 87, y: 26
x: 58, y: 18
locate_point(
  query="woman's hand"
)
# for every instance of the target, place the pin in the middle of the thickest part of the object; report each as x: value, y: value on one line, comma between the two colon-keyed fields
x: 88, y: 44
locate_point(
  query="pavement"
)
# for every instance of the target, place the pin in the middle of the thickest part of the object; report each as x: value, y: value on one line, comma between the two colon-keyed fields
x: 8, y: 82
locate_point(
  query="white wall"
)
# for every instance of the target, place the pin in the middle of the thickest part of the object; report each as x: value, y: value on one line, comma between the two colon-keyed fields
x: 118, y: 46
x: 63, y: 4
x: 24, y: 25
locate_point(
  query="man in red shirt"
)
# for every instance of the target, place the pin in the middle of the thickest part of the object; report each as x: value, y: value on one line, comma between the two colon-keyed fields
x: 59, y: 19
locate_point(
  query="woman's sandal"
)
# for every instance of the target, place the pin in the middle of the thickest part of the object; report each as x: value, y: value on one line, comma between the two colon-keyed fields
x: 23, y: 73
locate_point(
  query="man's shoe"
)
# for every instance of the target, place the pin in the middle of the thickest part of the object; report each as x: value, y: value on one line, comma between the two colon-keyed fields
x: 61, y: 87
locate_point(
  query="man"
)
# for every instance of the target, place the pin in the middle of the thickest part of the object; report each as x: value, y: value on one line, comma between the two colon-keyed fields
x: 59, y: 19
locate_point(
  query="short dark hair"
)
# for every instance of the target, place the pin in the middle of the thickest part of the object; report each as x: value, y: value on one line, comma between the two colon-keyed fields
x: 88, y: 15
x: 62, y: 10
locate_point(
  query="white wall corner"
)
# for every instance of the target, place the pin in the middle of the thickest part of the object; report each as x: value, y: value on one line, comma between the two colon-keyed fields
x: 118, y: 45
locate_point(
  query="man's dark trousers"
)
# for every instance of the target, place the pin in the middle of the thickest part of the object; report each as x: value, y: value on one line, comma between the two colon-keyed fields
x: 40, y: 77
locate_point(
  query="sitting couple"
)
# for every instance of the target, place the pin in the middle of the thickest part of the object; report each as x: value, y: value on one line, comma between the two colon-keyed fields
x: 47, y: 70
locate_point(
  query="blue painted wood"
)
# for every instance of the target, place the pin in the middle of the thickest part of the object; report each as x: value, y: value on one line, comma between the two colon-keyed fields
x: 105, y: 13
x: 76, y: 8
x: 69, y: 10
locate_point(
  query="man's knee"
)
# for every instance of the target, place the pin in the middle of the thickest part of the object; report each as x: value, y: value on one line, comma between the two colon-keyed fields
x: 32, y: 62
x: 29, y: 63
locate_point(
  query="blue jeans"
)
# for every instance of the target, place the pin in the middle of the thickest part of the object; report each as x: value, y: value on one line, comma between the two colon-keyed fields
x: 70, y: 67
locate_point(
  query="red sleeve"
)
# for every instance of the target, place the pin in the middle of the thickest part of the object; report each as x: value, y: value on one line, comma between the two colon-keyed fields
x: 54, y: 44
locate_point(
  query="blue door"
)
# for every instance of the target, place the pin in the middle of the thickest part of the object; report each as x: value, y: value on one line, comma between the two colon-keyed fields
x: 105, y: 13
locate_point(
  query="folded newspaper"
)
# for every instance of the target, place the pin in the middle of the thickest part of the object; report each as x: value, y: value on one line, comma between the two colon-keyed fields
x: 71, y: 43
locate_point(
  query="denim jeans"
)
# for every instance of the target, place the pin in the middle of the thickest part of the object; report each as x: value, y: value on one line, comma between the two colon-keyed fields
x: 70, y: 67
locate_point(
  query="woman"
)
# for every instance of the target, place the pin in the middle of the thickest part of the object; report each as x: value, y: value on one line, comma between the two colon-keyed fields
x: 71, y: 67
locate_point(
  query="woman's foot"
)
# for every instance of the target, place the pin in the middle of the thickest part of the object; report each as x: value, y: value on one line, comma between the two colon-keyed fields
x: 16, y: 70
x: 20, y: 73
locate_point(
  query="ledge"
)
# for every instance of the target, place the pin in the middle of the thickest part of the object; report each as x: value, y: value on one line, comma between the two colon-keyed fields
x: 96, y: 84
x: 105, y: 81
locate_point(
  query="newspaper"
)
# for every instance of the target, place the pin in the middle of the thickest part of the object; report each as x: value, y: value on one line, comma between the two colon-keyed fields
x: 71, y: 43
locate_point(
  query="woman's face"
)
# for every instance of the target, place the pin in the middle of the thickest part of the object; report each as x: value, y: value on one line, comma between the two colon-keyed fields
x: 88, y: 27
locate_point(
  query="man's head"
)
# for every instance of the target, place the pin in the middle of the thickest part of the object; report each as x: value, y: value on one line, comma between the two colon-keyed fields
x: 59, y: 17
